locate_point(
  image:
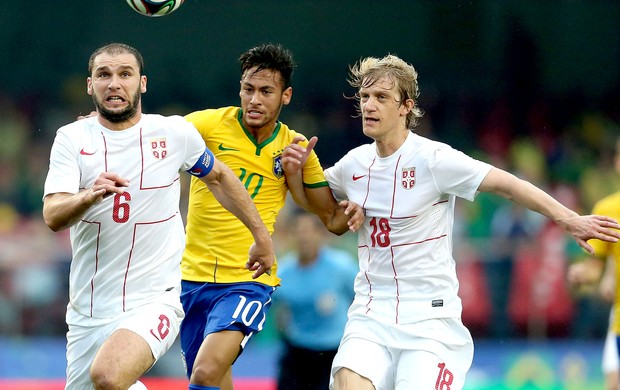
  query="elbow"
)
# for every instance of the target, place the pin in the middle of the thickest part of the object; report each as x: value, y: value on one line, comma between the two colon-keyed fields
x: 55, y: 227
x: 338, y: 232
x: 334, y: 228
x: 53, y: 223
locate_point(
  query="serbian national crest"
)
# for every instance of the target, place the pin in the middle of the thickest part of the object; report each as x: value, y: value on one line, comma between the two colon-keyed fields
x: 408, y: 178
x: 158, y: 147
x: 277, y: 166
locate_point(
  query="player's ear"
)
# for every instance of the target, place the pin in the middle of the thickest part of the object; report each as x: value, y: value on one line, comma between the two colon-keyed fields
x: 287, y: 95
x: 406, y: 107
x: 89, y: 86
x: 143, y: 83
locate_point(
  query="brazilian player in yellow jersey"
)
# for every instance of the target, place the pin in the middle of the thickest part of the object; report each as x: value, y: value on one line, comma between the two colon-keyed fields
x: 591, y: 270
x: 217, y: 242
x: 225, y: 302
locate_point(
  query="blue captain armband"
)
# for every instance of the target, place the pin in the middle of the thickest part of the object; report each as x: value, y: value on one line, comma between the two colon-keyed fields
x: 204, y: 165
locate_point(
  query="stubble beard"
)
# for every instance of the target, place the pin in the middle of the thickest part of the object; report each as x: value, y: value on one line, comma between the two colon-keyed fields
x: 118, y: 116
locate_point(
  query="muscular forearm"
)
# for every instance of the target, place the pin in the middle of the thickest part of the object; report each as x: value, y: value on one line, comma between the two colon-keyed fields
x: 63, y: 210
x: 329, y: 211
x: 295, y: 185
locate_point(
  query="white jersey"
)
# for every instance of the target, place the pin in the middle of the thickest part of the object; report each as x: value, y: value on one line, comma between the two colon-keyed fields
x: 126, y: 249
x: 407, y: 271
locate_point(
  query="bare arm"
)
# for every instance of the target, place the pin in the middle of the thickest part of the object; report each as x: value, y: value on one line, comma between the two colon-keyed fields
x: 229, y: 191
x: 63, y: 210
x: 293, y: 159
x: 338, y: 218
x: 524, y: 193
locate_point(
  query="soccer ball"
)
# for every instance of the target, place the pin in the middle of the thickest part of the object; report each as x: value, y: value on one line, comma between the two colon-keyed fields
x: 154, y: 7
x: 138, y: 386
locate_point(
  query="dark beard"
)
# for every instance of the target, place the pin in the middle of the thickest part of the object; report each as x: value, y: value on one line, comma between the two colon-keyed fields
x: 118, y: 117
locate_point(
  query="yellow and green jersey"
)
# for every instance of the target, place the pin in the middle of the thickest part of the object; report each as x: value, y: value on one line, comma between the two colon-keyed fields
x: 610, y: 206
x: 217, y: 242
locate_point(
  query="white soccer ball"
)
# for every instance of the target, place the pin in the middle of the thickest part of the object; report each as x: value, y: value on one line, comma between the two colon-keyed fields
x: 138, y: 386
x: 154, y: 7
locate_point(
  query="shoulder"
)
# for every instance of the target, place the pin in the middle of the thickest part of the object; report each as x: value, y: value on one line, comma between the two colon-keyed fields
x: 167, y: 119
x: 172, y: 123
x: 360, y: 152
x: 212, y: 114
x: 286, y: 134
x: 75, y: 131
x: 428, y: 146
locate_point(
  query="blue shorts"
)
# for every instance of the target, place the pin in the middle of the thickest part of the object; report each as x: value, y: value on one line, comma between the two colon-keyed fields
x: 214, y: 307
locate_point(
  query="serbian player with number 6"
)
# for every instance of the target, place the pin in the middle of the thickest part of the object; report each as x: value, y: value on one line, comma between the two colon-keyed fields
x: 113, y: 180
x: 404, y: 329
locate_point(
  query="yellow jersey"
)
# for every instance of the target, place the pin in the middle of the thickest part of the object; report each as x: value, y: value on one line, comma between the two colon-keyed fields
x: 217, y: 243
x: 610, y: 206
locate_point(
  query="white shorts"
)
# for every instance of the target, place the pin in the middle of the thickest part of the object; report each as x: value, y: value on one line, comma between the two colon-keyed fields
x: 157, y: 323
x: 430, y: 354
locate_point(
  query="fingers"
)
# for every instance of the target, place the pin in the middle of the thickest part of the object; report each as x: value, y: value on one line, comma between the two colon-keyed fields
x: 295, y: 153
x: 584, y: 244
x: 96, y: 195
x: 258, y: 269
x: 312, y: 143
x: 356, y: 214
x: 111, y: 179
x: 298, y: 139
x: 261, y: 270
x: 294, y: 150
x: 110, y: 183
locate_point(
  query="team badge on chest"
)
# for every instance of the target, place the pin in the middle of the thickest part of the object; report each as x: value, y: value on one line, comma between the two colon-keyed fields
x: 158, y: 147
x: 277, y: 166
x: 408, y: 178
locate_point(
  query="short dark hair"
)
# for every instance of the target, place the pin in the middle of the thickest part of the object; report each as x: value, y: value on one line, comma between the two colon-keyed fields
x: 116, y: 49
x: 272, y: 57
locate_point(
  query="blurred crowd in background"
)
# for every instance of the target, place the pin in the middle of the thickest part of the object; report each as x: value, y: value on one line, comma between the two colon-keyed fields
x: 511, y: 263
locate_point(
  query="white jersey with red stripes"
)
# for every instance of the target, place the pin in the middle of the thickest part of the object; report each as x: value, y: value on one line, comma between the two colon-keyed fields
x: 126, y: 249
x: 407, y: 270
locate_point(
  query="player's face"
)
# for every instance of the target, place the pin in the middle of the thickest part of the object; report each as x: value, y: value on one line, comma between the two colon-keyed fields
x: 381, y: 109
x: 116, y: 87
x: 309, y: 236
x: 262, y: 98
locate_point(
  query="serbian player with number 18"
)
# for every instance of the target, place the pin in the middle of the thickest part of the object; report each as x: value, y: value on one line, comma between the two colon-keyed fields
x: 404, y: 329
x: 114, y: 181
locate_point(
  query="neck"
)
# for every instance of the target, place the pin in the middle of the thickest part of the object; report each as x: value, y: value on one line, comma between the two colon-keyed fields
x: 387, y: 146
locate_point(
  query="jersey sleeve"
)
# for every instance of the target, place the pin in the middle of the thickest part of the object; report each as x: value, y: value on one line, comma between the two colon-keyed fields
x: 64, y: 172
x: 198, y: 155
x: 333, y: 175
x: 456, y: 173
x: 313, y: 172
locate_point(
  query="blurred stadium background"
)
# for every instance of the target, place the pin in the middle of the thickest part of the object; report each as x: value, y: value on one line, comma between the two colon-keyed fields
x: 531, y: 86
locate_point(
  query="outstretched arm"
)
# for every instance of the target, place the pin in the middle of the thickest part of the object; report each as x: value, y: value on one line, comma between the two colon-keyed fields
x: 338, y: 218
x: 229, y: 191
x: 524, y: 193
